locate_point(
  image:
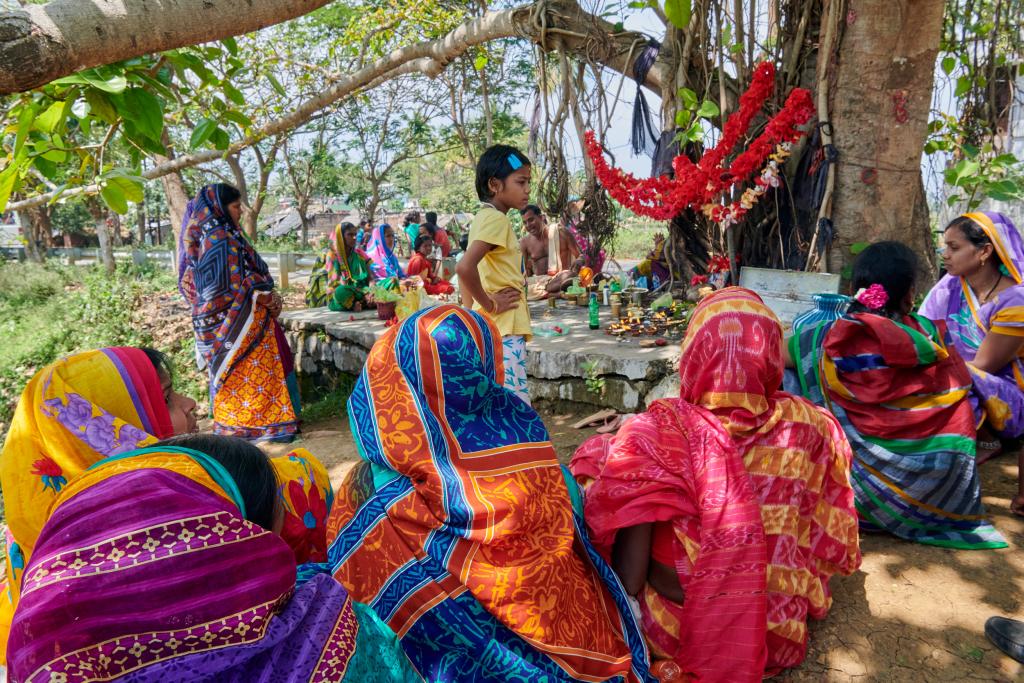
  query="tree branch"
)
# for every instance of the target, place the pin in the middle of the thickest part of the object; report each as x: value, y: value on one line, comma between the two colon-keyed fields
x: 599, y: 43
x: 41, y: 43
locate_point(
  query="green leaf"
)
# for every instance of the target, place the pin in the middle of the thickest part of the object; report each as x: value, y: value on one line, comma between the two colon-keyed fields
x: 1005, y: 160
x: 678, y: 12
x: 48, y: 168
x: 105, y: 79
x: 277, y: 85
x: 683, y: 118
x: 708, y: 110
x: 202, y: 132
x: 948, y: 64
x: 688, y: 98
x: 239, y: 118
x: 25, y: 119
x: 694, y: 132
x: 146, y: 111
x: 130, y: 186
x: 931, y: 147
x: 970, y: 151
x: 858, y: 247
x: 480, y: 62
x: 220, y: 138
x: 10, y: 176
x: 1003, y: 191
x: 953, y: 200
x: 231, y: 44
x: 965, y: 170
x: 963, y: 86
x: 234, y: 94
x: 114, y: 198
x: 50, y: 119
x: 100, y: 105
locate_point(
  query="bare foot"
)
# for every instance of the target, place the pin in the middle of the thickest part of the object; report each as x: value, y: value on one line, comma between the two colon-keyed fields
x: 1017, y: 505
x: 987, y: 450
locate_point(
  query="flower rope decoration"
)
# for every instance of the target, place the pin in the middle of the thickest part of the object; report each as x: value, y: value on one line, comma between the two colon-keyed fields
x: 699, y: 185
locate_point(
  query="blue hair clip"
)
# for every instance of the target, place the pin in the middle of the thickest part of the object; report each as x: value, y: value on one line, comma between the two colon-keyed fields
x: 514, y: 162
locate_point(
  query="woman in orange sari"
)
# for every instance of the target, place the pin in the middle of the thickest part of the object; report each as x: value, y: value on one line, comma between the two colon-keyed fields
x: 667, y: 495
x: 458, y: 528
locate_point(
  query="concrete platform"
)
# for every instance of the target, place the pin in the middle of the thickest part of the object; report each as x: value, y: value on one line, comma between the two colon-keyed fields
x: 623, y: 375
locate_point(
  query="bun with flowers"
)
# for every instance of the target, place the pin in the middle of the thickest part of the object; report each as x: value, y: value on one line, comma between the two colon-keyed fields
x: 874, y: 297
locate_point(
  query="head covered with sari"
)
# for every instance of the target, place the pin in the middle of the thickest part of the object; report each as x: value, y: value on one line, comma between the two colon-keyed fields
x: 795, y: 453
x: 71, y: 414
x: 219, y: 273
x: 385, y: 263
x: 183, y: 587
x: 237, y: 341
x: 459, y: 530
x: 969, y: 320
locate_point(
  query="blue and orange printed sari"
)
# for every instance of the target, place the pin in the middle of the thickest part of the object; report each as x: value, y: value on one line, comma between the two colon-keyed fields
x: 181, y: 588
x: 458, y: 530
x: 253, y: 391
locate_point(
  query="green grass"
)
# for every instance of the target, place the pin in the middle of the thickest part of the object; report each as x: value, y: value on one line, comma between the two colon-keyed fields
x: 48, y: 311
x: 331, y: 404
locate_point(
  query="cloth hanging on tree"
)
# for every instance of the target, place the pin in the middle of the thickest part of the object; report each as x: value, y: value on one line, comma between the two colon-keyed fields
x: 643, y: 138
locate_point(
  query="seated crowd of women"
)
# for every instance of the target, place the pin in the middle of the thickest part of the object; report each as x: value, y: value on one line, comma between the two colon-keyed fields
x: 693, y: 544
x: 343, y: 273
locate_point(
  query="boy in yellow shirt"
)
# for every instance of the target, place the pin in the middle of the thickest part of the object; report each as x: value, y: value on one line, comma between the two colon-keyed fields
x: 491, y: 272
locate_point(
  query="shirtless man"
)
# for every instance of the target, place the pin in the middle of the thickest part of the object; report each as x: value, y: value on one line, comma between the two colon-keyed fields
x: 535, y: 243
x: 535, y: 246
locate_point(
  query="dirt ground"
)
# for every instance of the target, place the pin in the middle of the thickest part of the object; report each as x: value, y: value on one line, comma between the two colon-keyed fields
x: 912, y: 613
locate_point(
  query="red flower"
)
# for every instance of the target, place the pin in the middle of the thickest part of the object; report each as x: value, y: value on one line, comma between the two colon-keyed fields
x: 305, y: 525
x: 696, y: 185
x: 50, y: 472
x: 698, y: 280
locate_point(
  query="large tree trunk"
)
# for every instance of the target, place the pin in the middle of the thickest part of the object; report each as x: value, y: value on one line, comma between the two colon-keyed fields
x: 882, y: 97
x: 174, y: 190
x: 39, y: 44
x: 34, y: 223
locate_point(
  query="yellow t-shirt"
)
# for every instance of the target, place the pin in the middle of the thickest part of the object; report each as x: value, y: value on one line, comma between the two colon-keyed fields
x: 501, y: 267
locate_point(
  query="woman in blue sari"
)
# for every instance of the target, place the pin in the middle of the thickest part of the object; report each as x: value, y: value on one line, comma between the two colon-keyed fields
x: 458, y: 527
x: 253, y: 390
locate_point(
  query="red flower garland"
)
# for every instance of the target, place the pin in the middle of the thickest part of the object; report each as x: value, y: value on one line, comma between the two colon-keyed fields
x: 695, y: 185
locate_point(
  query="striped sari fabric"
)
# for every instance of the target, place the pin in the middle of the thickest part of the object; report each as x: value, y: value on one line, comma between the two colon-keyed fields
x: 901, y: 393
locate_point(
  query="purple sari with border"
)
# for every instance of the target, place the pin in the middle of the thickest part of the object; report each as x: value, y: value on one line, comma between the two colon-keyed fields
x: 179, y: 589
x: 1000, y: 396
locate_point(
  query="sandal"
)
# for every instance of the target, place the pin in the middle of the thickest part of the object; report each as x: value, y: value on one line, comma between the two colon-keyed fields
x: 614, y: 424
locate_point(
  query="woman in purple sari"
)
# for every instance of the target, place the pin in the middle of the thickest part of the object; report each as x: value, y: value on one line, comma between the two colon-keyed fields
x: 195, y: 585
x: 981, y: 298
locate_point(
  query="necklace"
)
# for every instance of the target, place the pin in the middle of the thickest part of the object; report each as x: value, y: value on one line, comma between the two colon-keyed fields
x: 999, y: 278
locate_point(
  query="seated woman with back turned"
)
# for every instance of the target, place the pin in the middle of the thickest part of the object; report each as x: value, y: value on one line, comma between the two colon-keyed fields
x: 901, y: 392
x: 727, y: 510
x: 458, y: 528
x: 194, y: 585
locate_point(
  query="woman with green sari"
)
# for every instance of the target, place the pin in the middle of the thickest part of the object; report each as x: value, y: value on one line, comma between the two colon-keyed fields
x: 341, y: 276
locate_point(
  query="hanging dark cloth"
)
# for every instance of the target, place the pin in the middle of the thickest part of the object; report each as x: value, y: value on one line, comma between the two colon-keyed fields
x: 643, y: 138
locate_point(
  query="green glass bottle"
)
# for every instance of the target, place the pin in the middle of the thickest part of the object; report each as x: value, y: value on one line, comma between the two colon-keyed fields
x: 595, y: 320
